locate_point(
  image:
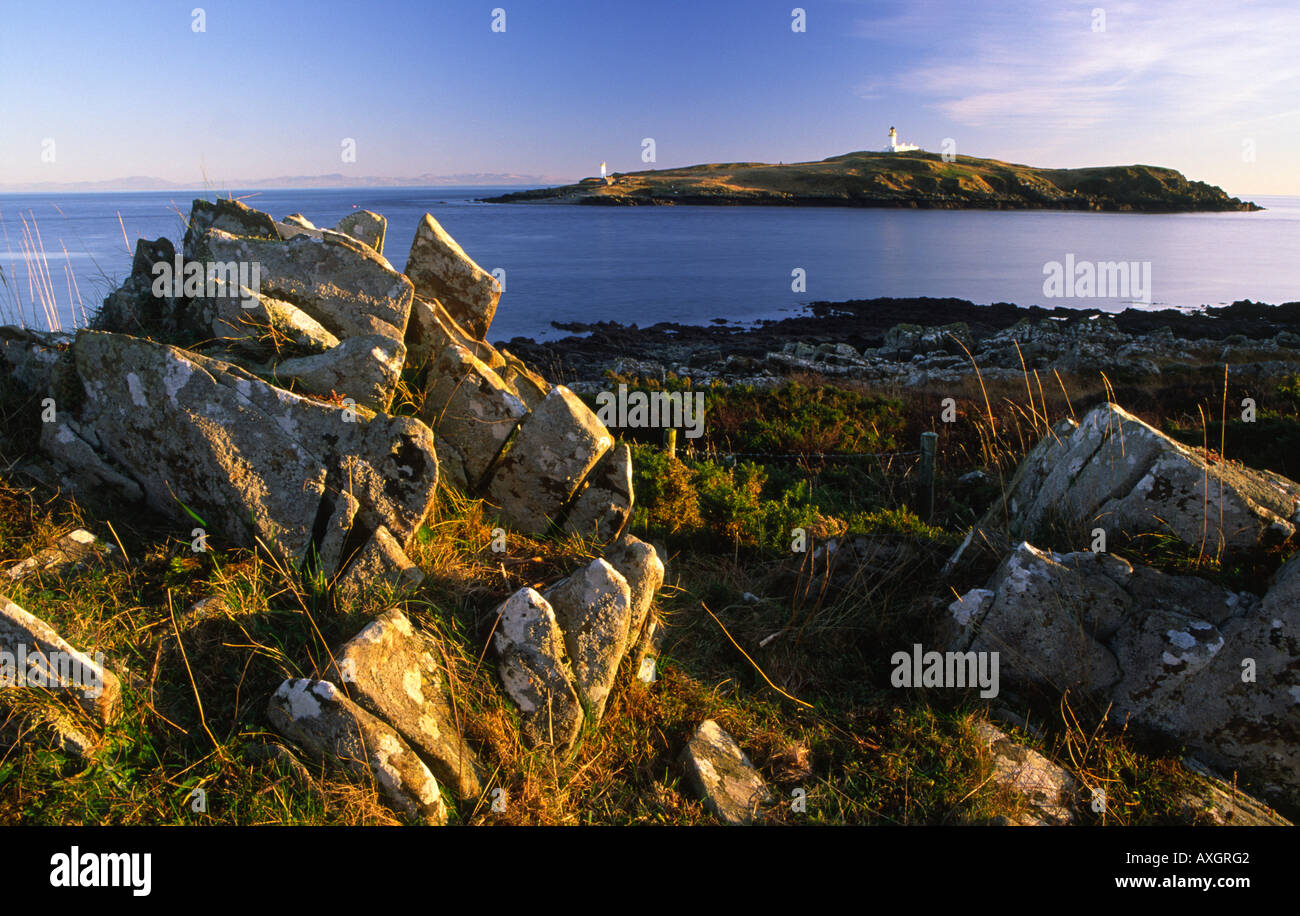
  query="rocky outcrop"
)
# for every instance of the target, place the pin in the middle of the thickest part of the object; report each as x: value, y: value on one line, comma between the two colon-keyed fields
x: 256, y: 463
x: 723, y: 776
x: 603, y: 506
x: 1112, y: 471
x: 1176, y: 655
x: 336, y: 732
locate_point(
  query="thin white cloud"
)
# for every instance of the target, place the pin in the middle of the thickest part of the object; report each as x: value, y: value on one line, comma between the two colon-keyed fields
x: 1178, y: 63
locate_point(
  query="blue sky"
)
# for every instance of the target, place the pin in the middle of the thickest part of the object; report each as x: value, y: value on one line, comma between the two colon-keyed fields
x: 272, y: 88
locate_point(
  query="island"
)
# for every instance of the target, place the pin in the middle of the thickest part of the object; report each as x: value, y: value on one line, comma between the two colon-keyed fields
x: 898, y: 178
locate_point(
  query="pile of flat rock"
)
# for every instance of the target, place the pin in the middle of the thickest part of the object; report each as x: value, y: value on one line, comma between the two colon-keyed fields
x: 288, y: 389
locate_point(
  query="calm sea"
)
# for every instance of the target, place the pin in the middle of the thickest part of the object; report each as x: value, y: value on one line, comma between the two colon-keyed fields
x: 693, y: 264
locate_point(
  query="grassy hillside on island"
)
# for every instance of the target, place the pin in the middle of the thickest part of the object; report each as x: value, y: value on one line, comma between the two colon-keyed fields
x: 913, y: 179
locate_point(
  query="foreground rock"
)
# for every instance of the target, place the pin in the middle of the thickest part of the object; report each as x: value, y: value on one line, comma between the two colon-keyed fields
x: 256, y: 463
x: 640, y: 565
x: 337, y: 732
x: 33, y: 654
x: 1112, y: 471
x: 723, y: 776
x: 1048, y: 792
x: 1176, y: 655
x: 593, y: 608
x: 536, y: 672
x: 390, y: 671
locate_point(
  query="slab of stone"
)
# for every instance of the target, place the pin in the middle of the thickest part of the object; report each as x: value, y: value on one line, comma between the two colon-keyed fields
x: 526, y: 383
x: 594, y: 609
x: 1048, y: 791
x: 467, y: 405
x: 269, y: 329
x: 535, y: 671
x: 337, y: 732
x: 253, y: 461
x: 365, y: 369
x: 1213, y: 800
x: 74, y: 551
x: 389, y: 669
x: 603, y: 506
x: 230, y: 216
x: 553, y: 451
x: 341, y: 283
x: 639, y: 564
x: 1113, y: 471
x: 432, y: 329
x: 440, y: 269
x: 723, y: 776
x: 33, y: 654
x: 380, y: 560
x: 366, y: 227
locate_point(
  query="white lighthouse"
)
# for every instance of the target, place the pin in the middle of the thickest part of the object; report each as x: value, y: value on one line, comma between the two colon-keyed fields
x: 895, y: 146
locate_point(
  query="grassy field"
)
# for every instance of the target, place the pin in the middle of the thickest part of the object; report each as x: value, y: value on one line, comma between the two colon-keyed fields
x: 792, y: 660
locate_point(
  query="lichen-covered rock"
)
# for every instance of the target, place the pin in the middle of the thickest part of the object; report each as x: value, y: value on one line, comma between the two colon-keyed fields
x: 75, y: 550
x: 432, y: 330
x: 640, y: 565
x: 269, y: 329
x: 1213, y: 801
x: 535, y: 671
x: 380, y: 559
x: 28, y: 357
x: 33, y: 654
x: 554, y: 450
x: 389, y: 669
x: 230, y: 216
x: 365, y: 369
x: 719, y: 770
x: 1042, y: 612
x: 530, y: 386
x: 604, y: 504
x: 1112, y: 471
x: 1227, y: 686
x: 1049, y: 792
x: 467, y: 405
x: 133, y: 308
x: 297, y: 219
x: 440, y: 269
x: 253, y: 461
x: 1177, y: 656
x: 366, y: 227
x: 594, y: 609
x: 338, y: 281
x: 335, y: 731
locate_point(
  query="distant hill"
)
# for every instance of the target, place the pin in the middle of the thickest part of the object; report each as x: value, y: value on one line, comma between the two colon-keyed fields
x: 912, y: 179
x: 334, y: 180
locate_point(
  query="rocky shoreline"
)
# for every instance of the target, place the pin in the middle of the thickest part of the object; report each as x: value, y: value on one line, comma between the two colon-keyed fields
x: 913, y: 341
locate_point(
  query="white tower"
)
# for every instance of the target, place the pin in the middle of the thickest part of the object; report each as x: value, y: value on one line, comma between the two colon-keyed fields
x: 897, y: 147
x: 602, y: 170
